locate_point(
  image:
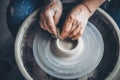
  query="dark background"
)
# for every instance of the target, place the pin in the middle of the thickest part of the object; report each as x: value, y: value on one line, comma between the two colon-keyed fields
x: 8, y: 66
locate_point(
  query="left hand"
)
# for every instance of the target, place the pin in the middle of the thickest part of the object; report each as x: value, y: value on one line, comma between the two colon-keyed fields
x: 75, y: 22
x: 50, y: 16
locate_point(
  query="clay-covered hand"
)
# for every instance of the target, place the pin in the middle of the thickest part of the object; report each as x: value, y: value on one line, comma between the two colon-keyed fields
x: 50, y: 16
x: 75, y: 22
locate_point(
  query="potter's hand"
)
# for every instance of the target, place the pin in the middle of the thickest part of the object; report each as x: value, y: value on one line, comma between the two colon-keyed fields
x: 50, y: 16
x: 75, y: 22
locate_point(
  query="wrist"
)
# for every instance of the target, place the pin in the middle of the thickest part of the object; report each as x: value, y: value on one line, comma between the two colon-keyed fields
x: 58, y: 2
x: 54, y: 6
x: 92, y: 5
x: 84, y: 9
x: 55, y: 1
x: 91, y: 9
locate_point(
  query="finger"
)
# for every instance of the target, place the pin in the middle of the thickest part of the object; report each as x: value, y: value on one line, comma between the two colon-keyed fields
x: 75, y: 32
x: 41, y: 23
x: 46, y: 26
x: 51, y: 25
x: 65, y: 31
x: 74, y: 25
x: 57, y: 17
x: 72, y: 28
x: 66, y: 28
x: 42, y: 26
x: 67, y: 35
x: 77, y: 36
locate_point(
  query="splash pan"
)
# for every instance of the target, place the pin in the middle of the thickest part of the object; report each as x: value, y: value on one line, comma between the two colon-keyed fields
x: 93, y: 56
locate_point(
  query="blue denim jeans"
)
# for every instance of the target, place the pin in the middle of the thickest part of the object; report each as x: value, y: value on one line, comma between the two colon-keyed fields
x: 18, y: 10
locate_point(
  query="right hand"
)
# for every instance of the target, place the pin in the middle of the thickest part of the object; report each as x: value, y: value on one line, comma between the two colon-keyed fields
x: 50, y: 16
x: 75, y: 22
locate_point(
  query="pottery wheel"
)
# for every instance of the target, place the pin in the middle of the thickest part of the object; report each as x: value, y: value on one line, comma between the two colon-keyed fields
x: 69, y: 59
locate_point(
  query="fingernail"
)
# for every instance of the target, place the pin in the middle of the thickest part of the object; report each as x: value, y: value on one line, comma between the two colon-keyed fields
x: 61, y: 38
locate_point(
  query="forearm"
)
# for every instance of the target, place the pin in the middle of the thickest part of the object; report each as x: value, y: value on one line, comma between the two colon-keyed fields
x: 51, y: 1
x: 92, y: 5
